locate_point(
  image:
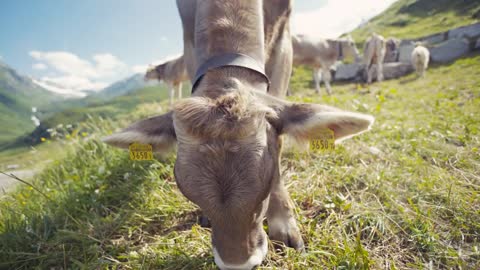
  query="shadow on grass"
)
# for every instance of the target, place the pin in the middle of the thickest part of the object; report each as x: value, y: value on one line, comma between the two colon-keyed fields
x: 182, y: 261
x: 408, y: 80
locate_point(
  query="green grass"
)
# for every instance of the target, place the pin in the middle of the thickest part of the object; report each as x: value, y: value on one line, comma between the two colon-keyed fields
x: 417, y: 18
x: 413, y: 204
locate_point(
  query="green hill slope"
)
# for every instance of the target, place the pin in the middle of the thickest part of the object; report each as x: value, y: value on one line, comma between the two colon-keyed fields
x: 18, y: 94
x: 79, y: 111
x: 418, y: 18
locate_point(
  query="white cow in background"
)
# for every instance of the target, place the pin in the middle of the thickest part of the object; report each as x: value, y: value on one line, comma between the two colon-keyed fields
x: 420, y: 59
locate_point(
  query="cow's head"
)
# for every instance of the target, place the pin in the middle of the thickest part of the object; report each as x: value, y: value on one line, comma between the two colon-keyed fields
x: 154, y: 73
x: 228, y: 150
x: 349, y: 48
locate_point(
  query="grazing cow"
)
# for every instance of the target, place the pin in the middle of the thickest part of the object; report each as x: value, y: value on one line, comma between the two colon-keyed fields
x: 321, y: 55
x: 374, y: 53
x: 228, y: 134
x: 173, y: 73
x: 392, y: 50
x: 420, y: 59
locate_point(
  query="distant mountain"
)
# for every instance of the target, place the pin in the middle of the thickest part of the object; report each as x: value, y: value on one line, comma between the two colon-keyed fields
x: 20, y: 100
x: 123, y: 87
x: 60, y: 90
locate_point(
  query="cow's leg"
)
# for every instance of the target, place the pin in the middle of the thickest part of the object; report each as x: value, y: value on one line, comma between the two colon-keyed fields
x: 317, y: 77
x: 171, y: 93
x: 279, y: 66
x: 422, y: 72
x: 369, y: 73
x: 379, y: 70
x: 179, y: 90
x: 327, y: 77
x: 282, y: 226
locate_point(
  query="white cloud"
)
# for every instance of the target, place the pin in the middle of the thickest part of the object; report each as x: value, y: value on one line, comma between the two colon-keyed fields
x: 79, y: 74
x: 163, y: 38
x: 51, y: 86
x: 139, y: 68
x: 337, y: 17
x: 75, y: 83
x: 39, y: 66
x: 143, y: 68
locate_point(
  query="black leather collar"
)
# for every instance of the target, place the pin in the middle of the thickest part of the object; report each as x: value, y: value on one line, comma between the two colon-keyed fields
x: 232, y: 60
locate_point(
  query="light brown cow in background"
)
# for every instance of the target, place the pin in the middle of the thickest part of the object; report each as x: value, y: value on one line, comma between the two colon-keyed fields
x: 173, y: 73
x: 374, y: 54
x: 228, y: 134
x: 321, y: 55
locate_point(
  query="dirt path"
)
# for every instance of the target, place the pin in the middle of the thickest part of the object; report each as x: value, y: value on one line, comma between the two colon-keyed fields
x: 6, y: 182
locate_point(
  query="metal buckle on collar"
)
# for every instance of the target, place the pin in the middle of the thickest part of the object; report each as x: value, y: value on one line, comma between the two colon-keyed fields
x: 229, y: 59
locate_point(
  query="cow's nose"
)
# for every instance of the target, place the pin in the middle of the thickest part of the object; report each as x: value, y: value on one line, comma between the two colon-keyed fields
x: 255, y: 259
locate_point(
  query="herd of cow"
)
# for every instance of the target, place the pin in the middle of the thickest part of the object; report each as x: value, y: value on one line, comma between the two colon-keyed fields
x: 238, y: 56
x: 321, y: 55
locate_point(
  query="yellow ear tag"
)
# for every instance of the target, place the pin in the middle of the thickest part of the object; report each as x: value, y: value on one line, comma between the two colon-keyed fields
x: 323, y: 141
x: 140, y: 151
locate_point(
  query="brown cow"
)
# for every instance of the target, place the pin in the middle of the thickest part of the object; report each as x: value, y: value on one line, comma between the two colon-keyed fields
x: 392, y: 50
x: 321, y: 55
x: 374, y: 53
x: 228, y: 134
x: 173, y: 73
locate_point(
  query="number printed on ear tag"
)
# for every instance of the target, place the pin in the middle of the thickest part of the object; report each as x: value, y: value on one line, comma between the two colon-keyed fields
x: 140, y: 151
x: 324, y: 141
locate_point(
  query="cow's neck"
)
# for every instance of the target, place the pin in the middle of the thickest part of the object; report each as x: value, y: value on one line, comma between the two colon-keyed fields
x: 226, y: 27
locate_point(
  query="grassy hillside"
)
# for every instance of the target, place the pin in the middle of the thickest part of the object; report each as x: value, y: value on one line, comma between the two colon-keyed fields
x: 418, y: 18
x: 403, y: 196
x: 18, y: 95
x: 76, y: 112
x: 14, y: 116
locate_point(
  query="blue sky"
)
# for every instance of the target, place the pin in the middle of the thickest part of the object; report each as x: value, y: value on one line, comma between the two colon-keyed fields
x: 91, y: 43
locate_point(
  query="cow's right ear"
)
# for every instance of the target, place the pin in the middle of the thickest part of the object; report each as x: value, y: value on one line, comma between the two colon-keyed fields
x: 157, y: 131
x: 305, y: 121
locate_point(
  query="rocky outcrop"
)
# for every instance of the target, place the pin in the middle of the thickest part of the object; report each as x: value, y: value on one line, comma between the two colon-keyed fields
x: 444, y: 47
x: 405, y: 51
x: 465, y: 31
x: 449, y: 50
x: 348, y: 72
x: 356, y: 72
x: 391, y: 70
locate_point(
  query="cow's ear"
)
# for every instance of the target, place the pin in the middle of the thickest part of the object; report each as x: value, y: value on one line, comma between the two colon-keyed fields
x: 305, y: 121
x: 157, y: 131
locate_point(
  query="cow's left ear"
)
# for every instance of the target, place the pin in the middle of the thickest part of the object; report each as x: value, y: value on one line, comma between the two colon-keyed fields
x: 305, y: 121
x: 157, y: 131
